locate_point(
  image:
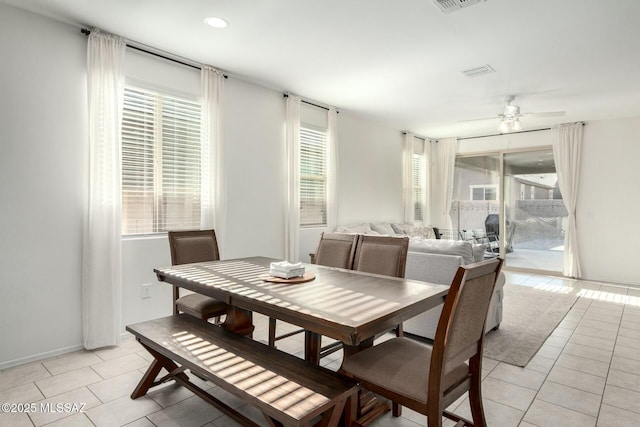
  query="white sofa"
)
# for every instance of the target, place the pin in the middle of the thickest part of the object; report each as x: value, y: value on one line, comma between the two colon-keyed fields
x: 435, y: 261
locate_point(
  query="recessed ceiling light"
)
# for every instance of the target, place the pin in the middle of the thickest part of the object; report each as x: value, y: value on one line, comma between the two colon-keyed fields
x: 216, y: 22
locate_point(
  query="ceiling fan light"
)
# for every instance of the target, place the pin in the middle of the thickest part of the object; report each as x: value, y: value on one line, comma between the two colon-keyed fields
x: 515, y: 126
x: 504, y: 127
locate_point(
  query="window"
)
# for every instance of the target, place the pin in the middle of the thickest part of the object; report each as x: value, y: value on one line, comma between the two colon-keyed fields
x: 484, y: 192
x: 419, y: 182
x: 160, y: 163
x: 313, y: 177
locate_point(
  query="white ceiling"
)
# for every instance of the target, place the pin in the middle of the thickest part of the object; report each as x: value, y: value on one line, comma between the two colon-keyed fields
x: 400, y: 61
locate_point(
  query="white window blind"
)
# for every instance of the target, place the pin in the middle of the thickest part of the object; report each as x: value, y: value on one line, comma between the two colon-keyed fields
x: 313, y: 177
x: 419, y: 182
x: 160, y: 163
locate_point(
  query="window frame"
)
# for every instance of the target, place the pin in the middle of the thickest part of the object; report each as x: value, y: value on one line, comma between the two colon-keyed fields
x: 308, y: 127
x: 161, y: 221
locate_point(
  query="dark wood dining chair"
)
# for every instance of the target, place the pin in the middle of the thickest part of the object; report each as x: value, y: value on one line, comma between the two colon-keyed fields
x: 382, y: 255
x: 195, y: 246
x: 334, y: 250
x: 427, y: 378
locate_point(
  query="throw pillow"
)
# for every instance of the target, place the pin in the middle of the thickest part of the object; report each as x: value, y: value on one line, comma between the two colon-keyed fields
x: 383, y: 228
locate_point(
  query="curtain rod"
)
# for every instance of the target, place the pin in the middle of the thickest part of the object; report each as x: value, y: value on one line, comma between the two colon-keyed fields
x: 422, y: 138
x: 138, y: 48
x: 286, y: 95
x: 508, y: 133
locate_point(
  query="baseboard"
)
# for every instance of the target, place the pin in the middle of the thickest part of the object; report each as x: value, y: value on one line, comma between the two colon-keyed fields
x: 41, y: 356
x: 48, y: 354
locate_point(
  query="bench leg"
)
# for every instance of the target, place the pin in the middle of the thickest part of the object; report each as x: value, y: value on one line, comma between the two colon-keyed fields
x: 149, y: 378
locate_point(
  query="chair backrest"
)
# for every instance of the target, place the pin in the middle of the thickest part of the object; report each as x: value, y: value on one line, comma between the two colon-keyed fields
x: 336, y: 250
x: 461, y: 326
x: 381, y: 255
x: 193, y: 246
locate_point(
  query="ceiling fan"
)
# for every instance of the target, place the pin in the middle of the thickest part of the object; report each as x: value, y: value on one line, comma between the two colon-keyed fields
x: 510, y: 118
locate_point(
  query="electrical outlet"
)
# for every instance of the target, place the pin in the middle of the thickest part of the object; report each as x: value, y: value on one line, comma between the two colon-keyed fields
x: 146, y: 291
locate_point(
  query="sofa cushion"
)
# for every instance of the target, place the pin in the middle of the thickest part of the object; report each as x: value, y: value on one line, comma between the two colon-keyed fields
x: 424, y: 231
x: 363, y: 228
x: 445, y: 247
x: 402, y: 228
x: 383, y: 228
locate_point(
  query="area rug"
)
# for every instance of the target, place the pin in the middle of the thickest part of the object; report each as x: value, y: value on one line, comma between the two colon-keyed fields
x: 529, y: 316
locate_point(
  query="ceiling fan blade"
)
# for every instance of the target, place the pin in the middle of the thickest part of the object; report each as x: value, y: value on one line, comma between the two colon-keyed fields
x: 544, y: 114
x: 477, y: 120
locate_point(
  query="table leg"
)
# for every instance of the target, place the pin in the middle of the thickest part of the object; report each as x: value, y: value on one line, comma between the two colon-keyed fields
x: 312, y: 346
x: 239, y: 321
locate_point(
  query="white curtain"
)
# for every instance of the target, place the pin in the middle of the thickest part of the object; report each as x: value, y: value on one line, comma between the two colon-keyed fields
x: 445, y: 157
x: 407, y: 178
x: 567, y: 148
x: 426, y: 214
x: 101, y: 262
x: 213, y: 194
x: 332, y: 169
x: 292, y: 209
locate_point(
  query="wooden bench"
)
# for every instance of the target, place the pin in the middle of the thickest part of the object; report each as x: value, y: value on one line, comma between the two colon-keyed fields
x: 286, y: 389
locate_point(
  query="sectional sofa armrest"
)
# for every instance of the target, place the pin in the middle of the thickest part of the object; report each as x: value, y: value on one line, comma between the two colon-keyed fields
x: 432, y: 268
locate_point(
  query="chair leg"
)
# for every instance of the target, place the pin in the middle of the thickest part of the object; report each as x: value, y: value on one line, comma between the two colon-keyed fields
x: 272, y: 332
x: 475, y: 399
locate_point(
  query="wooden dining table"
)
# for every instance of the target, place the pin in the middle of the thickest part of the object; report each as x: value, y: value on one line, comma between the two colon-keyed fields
x: 345, y: 305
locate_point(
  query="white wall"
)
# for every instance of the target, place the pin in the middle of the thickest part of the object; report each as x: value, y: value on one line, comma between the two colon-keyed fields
x: 608, y: 210
x: 42, y: 184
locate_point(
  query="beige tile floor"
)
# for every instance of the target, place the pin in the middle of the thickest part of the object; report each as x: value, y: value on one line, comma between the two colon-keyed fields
x: 586, y: 374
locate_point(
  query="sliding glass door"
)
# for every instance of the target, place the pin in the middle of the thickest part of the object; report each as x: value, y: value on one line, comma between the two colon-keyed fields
x: 511, y: 202
x: 535, y: 213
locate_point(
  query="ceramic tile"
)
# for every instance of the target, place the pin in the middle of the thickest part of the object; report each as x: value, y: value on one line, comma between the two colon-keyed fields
x: 625, y: 365
x: 189, y: 412
x: 630, y: 325
x: 122, y: 411
x: 580, y: 380
x: 495, y: 413
x: 570, y: 398
x: 78, y: 396
x: 25, y: 393
x: 68, y: 381
x: 519, y: 376
x: 127, y: 346
x: 626, y: 352
x: 562, y: 332
x: 556, y: 341
x: 630, y: 342
x: 601, y: 343
x: 622, y: 398
x: 77, y: 420
x: 588, y: 352
x: 549, y: 351
x: 19, y: 375
x: 545, y: 414
x: 616, y: 417
x: 540, y: 364
x: 596, y: 324
x: 512, y: 395
x: 624, y: 379
x: 71, y: 362
x: 141, y: 422
x: 597, y: 333
x: 18, y: 419
x: 120, y: 365
x: 583, y: 365
x: 631, y: 333
x: 113, y: 388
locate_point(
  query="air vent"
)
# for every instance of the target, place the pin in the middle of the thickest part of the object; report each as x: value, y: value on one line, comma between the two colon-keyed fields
x: 448, y: 6
x: 479, y: 71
